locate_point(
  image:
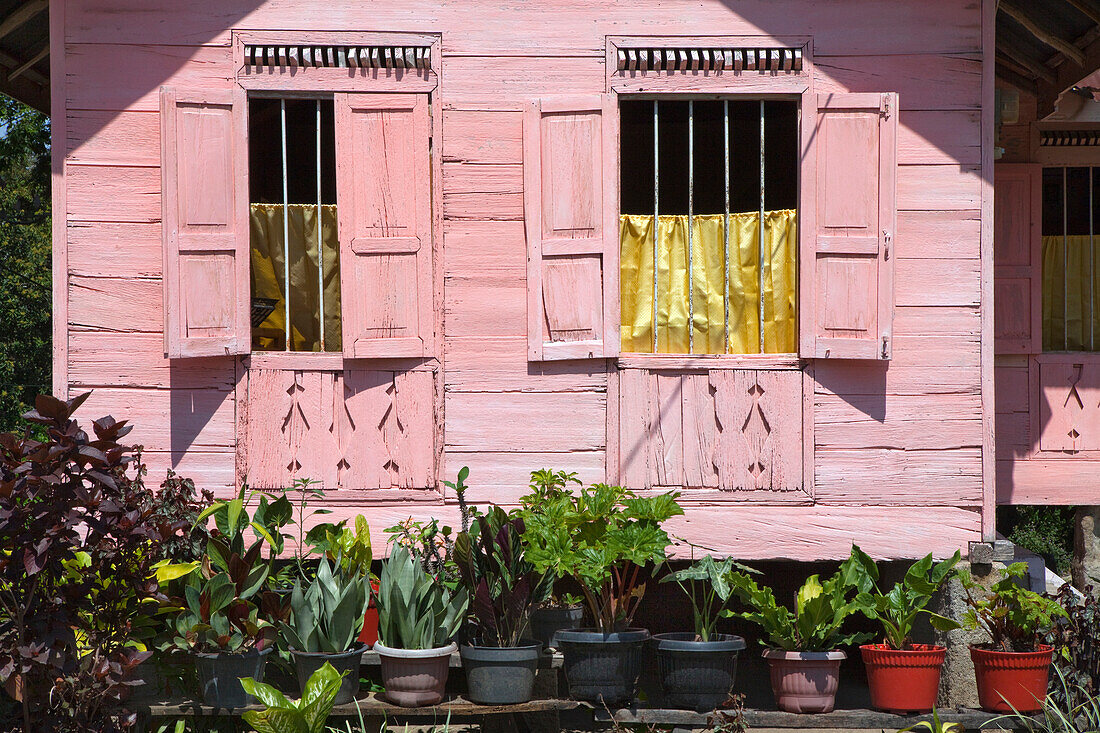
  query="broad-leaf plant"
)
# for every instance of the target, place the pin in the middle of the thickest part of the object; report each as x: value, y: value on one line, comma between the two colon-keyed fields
x: 307, y: 715
x: 1012, y: 616
x: 708, y: 585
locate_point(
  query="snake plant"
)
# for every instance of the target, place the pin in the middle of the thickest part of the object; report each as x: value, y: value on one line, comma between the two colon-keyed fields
x: 328, y: 615
x: 414, y: 610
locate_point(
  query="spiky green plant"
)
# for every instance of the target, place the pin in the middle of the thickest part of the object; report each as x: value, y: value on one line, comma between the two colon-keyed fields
x: 935, y: 725
x: 1074, y: 710
x: 328, y: 616
x: 414, y: 610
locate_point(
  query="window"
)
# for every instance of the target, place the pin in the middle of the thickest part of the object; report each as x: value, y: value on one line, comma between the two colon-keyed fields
x: 708, y: 172
x: 294, y: 248
x: 1071, y: 218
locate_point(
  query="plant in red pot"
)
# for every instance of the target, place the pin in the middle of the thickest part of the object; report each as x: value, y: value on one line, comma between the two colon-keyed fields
x: 902, y: 676
x: 1013, y: 669
x: 352, y: 549
x: 803, y: 645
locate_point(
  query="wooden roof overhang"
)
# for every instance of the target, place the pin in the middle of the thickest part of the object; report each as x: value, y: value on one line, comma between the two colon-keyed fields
x: 25, y: 51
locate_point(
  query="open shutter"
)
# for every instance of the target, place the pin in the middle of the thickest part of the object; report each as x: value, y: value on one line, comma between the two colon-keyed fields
x: 205, y: 212
x: 570, y: 186
x: 854, y: 145
x: 1017, y: 258
x: 383, y: 188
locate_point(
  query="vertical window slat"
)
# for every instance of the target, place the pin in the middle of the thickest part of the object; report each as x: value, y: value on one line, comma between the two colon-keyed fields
x: 760, y: 231
x: 1065, y: 258
x: 656, y: 215
x: 726, y: 223
x: 320, y: 247
x: 691, y: 202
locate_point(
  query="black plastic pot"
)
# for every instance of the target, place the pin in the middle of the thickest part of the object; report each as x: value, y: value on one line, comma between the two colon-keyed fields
x: 346, y: 663
x: 696, y: 675
x: 602, y: 666
x: 501, y: 675
x: 220, y: 676
x: 545, y: 622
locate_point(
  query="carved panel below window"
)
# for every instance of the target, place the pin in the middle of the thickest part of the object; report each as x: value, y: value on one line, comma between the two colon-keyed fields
x: 1069, y: 406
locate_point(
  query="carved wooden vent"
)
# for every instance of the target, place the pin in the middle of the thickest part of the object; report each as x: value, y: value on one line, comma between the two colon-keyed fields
x: 1069, y: 138
x: 708, y: 59
x: 355, y: 57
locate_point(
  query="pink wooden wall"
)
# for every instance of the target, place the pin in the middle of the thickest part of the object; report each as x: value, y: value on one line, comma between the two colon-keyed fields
x: 894, y: 455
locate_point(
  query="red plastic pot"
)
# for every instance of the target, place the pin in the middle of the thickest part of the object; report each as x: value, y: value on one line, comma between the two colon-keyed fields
x: 369, y: 634
x: 905, y: 680
x: 1018, y: 679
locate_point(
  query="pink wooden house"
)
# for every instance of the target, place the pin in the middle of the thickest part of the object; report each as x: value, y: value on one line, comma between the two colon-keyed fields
x: 743, y: 249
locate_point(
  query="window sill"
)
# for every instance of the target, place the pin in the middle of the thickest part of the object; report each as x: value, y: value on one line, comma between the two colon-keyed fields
x: 709, y: 361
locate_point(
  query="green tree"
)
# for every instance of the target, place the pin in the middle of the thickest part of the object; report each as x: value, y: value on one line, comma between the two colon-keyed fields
x: 25, y: 277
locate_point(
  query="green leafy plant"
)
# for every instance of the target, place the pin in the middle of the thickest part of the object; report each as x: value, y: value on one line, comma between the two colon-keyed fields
x: 308, y: 715
x: 503, y: 584
x: 706, y: 583
x: 935, y: 725
x: 815, y: 624
x: 216, y: 619
x: 1072, y: 710
x: 898, y: 608
x: 603, y: 538
x: 328, y: 616
x: 350, y: 548
x: 1011, y: 615
x: 414, y: 611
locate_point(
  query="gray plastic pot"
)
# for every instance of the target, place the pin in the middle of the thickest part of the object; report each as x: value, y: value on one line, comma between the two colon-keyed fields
x: 696, y: 675
x: 415, y: 677
x: 602, y: 666
x: 220, y: 676
x: 545, y: 622
x: 501, y: 675
x: 345, y: 663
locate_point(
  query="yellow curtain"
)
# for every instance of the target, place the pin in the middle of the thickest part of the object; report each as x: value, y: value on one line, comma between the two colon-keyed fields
x: 267, y: 277
x: 1071, y: 308
x: 708, y: 287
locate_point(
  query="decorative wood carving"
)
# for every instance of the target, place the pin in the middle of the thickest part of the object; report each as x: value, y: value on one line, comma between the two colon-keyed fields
x: 1069, y: 406
x: 356, y: 429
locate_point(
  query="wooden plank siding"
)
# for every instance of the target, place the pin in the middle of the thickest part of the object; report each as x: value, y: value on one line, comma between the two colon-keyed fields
x: 895, y: 453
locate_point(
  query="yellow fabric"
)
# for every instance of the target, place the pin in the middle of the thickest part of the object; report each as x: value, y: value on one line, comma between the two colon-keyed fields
x: 267, y: 276
x: 1071, y: 309
x: 708, y: 272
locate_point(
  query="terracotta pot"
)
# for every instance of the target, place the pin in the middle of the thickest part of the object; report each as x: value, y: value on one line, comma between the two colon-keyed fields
x: 415, y: 677
x: 1016, y: 678
x: 903, y: 680
x: 804, y: 682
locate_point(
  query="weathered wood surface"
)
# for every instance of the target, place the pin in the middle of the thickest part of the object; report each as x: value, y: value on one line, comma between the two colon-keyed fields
x: 371, y: 706
x: 838, y: 719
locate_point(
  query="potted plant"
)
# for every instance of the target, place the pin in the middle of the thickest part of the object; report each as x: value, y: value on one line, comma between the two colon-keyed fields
x: 696, y: 669
x: 1013, y: 669
x: 324, y: 626
x: 902, y: 676
x: 802, y: 645
x: 351, y: 548
x: 603, y: 538
x: 500, y: 664
x: 308, y: 715
x: 557, y: 610
x: 417, y: 618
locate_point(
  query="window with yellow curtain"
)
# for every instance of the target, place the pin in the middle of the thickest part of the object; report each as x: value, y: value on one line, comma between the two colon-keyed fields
x: 1071, y: 259
x: 295, y: 264
x: 708, y: 228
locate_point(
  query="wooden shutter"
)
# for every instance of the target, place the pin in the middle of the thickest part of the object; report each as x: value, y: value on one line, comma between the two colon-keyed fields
x: 570, y: 187
x: 1017, y: 258
x: 851, y: 230
x: 383, y: 186
x: 205, y: 212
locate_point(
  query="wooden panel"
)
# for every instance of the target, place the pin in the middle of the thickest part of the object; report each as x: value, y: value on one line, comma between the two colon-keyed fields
x: 1069, y: 405
x: 503, y: 477
x: 938, y: 282
x: 214, y: 470
x: 481, y: 136
x: 939, y: 187
x: 483, y: 192
x: 898, y: 421
x: 477, y: 364
x: 115, y: 304
x: 500, y: 77
x: 1017, y: 255
x: 868, y: 378
x: 925, y: 82
x: 112, y: 193
x: 100, y: 358
x: 701, y: 432
x: 936, y: 351
x: 1050, y: 482
x: 115, y: 250
x: 946, y: 138
x: 525, y: 422
x: 1014, y: 437
x: 176, y: 420
x: 485, y: 306
x: 1012, y: 393
x: 889, y: 476
x: 485, y: 248
x: 921, y: 320
x: 666, y: 444
x: 939, y: 234
x: 113, y: 138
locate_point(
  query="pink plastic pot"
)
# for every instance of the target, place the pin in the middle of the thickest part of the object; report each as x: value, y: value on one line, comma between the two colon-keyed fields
x: 804, y: 682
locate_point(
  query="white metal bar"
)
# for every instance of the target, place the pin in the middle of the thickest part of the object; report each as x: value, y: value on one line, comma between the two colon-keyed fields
x: 320, y: 249
x: 726, y: 224
x: 656, y: 218
x: 760, y: 231
x: 1065, y: 259
x: 691, y: 197
x: 286, y: 232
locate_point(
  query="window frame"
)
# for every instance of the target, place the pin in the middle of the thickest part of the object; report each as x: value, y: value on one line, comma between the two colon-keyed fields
x: 325, y: 83
x: 751, y: 85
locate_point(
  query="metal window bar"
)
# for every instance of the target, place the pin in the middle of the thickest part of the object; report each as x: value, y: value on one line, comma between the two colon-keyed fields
x: 760, y: 231
x: 726, y: 225
x: 286, y: 231
x: 320, y: 249
x: 1092, y: 270
x: 1065, y: 259
x: 691, y: 203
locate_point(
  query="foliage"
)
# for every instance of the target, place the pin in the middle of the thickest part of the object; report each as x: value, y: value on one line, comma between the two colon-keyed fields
x: 228, y: 549
x: 1013, y: 616
x: 898, y: 608
x: 1072, y: 710
x: 350, y: 548
x: 815, y: 625
x: 707, y: 585
x: 459, y: 487
x: 78, y: 579
x: 602, y: 538
x: 328, y: 616
x: 1075, y: 638
x: 25, y: 270
x: 308, y: 715
x: 180, y: 503
x: 935, y: 725
x: 1045, y: 530
x: 729, y: 717
x: 414, y: 611
x: 430, y: 543
x: 217, y: 619
x: 502, y: 583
